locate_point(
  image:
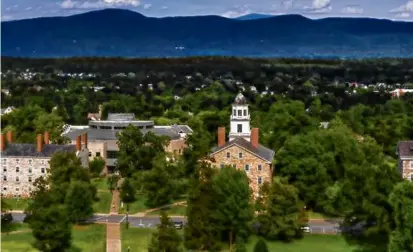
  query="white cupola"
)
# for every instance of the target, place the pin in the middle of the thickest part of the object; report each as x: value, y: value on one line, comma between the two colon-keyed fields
x: 240, y: 119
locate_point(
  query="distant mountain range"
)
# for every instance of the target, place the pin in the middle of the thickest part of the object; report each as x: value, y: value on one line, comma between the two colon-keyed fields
x: 116, y: 32
x: 253, y: 16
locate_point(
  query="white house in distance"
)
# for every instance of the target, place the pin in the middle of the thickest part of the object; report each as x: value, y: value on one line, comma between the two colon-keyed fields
x: 400, y: 92
x: 5, y: 111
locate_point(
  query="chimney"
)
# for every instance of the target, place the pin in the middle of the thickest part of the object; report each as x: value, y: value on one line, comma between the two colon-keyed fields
x: 3, y: 142
x: 254, y: 137
x: 78, y: 143
x: 84, y: 136
x: 46, y: 137
x: 10, y: 137
x: 221, y: 136
x: 39, y: 143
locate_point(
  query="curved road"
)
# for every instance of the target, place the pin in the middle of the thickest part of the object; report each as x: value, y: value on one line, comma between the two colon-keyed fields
x: 315, y: 226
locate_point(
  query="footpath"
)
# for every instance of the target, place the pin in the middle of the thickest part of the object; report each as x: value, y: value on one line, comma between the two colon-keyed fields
x: 113, y: 243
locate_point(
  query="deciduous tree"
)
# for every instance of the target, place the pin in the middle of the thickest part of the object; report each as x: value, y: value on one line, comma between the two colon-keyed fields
x: 166, y: 238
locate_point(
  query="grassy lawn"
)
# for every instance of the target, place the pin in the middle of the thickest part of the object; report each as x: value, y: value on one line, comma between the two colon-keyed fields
x: 103, y: 205
x: 135, y: 207
x: 84, y: 238
x: 17, y: 203
x: 139, y: 238
x: 173, y: 210
x: 101, y: 184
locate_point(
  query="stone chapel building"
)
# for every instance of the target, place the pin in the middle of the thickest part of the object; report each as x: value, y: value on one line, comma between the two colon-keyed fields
x: 243, y: 149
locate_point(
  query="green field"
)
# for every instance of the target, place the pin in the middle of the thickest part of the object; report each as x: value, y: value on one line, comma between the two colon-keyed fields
x: 101, y: 184
x: 84, y: 238
x: 17, y: 203
x: 139, y: 238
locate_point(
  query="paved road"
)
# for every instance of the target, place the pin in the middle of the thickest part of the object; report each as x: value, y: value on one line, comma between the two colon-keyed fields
x: 316, y: 226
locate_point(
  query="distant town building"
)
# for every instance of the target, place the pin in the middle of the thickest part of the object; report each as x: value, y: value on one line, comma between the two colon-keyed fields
x: 400, y: 92
x: 23, y: 163
x: 103, y: 140
x: 6, y: 110
x: 405, y: 153
x: 243, y: 149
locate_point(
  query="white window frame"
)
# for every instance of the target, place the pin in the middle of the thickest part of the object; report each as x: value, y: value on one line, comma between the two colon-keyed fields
x: 247, y: 167
x: 258, y: 180
x: 259, y: 167
x: 240, y: 155
x: 228, y: 154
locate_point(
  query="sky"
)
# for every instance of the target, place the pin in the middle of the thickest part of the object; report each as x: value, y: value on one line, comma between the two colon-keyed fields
x: 388, y: 9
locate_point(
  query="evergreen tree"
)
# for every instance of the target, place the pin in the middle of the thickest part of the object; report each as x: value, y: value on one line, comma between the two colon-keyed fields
x: 261, y: 246
x: 79, y: 201
x: 284, y: 215
x: 166, y: 238
x: 158, y: 184
x: 49, y: 220
x: 233, y: 212
x: 401, y: 200
x: 199, y: 231
x: 127, y: 192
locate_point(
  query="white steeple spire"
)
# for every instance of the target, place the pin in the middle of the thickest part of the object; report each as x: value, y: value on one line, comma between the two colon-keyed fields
x: 240, y: 119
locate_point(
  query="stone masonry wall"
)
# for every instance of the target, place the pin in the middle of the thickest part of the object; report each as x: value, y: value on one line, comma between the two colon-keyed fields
x: 10, y: 187
x: 253, y: 161
x: 407, y: 171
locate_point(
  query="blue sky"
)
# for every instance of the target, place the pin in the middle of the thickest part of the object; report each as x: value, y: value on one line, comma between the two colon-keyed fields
x: 389, y: 9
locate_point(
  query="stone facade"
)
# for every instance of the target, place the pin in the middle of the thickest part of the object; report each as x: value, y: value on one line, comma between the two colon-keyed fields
x: 257, y: 169
x: 22, y: 164
x: 19, y: 173
x: 407, y: 169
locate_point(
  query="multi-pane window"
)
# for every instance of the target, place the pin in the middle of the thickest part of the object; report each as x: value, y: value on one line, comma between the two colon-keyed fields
x: 17, y: 169
x: 42, y: 170
x: 4, y: 178
x: 239, y: 128
x: 30, y: 179
x: 240, y: 155
x: 90, y: 154
x: 111, y: 154
x: 4, y: 169
x: 234, y: 112
x: 259, y: 168
x: 239, y: 112
x: 247, y: 167
x: 228, y: 155
x: 17, y: 179
x: 97, y: 154
x: 30, y: 170
x: 259, y: 180
x: 4, y: 188
x: 245, y: 112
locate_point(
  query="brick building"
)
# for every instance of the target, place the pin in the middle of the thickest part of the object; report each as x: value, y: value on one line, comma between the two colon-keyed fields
x: 23, y: 163
x: 103, y: 140
x: 405, y: 153
x: 243, y: 149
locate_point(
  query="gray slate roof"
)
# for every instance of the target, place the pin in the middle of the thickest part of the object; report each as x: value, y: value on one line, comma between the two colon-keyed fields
x: 103, y: 134
x: 30, y: 150
x: 261, y: 151
x: 405, y: 149
x: 181, y: 129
